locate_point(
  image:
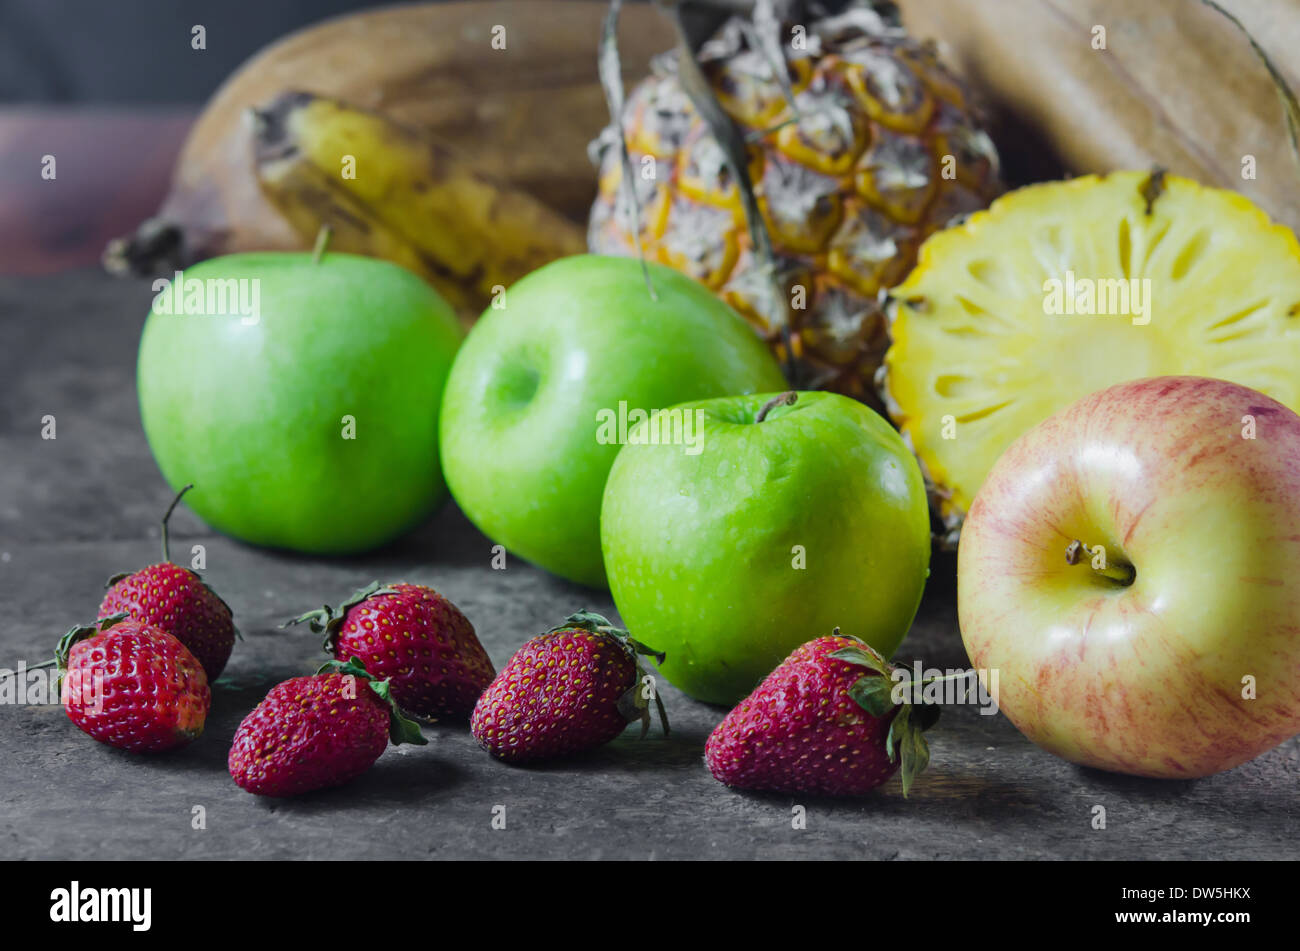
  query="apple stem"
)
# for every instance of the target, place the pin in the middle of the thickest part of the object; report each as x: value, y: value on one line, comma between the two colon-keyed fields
x: 1119, y: 571
x: 167, y: 515
x: 322, y: 242
x: 787, y: 398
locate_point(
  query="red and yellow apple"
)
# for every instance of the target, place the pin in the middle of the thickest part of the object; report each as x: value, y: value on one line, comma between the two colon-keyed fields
x: 1131, y: 568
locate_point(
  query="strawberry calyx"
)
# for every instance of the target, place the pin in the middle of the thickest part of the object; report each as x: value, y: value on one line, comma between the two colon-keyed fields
x: 329, y: 621
x: 77, y: 634
x: 634, y: 704
x: 874, y: 693
x: 401, y: 729
x: 166, y: 560
x: 167, y: 517
x: 239, y: 635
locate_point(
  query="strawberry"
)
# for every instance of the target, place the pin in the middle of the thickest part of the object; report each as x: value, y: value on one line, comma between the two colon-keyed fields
x: 176, y: 600
x: 315, y: 732
x: 574, y: 688
x: 825, y: 722
x: 132, y: 685
x: 415, y: 638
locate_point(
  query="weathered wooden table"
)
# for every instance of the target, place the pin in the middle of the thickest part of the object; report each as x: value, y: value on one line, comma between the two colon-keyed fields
x: 77, y: 508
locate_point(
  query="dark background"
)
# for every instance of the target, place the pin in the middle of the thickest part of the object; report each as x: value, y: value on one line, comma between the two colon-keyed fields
x: 128, y: 52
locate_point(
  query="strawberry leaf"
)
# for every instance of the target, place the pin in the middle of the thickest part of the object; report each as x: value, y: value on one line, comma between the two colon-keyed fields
x: 926, y: 715
x: 863, y: 656
x: 906, y: 740
x: 585, y: 620
x: 640, y: 648
x: 916, y: 756
x: 633, y: 704
x: 894, y: 737
x: 80, y: 633
x: 401, y: 729
x: 874, y: 694
x: 235, y: 627
x: 352, y: 667
x: 328, y: 621
x: 663, y: 714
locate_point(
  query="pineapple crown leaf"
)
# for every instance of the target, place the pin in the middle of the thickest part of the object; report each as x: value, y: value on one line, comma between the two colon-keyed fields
x: 610, y: 72
x: 401, y: 729
x: 705, y: 30
x: 705, y: 19
x: 329, y: 621
x: 729, y: 137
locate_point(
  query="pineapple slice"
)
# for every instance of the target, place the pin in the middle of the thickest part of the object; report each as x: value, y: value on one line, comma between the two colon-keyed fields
x: 1062, y: 289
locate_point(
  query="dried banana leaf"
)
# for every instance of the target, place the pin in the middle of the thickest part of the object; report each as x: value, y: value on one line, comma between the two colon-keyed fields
x: 1177, y: 85
x: 522, y: 115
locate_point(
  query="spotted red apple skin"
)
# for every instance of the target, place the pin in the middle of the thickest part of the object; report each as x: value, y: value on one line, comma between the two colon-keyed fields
x: 1194, y: 666
x: 800, y: 731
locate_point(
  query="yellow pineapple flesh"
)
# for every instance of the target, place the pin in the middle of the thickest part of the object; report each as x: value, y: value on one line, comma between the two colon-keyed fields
x: 1065, y: 288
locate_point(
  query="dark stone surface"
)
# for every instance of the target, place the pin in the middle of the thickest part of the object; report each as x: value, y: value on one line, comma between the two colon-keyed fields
x: 76, y: 509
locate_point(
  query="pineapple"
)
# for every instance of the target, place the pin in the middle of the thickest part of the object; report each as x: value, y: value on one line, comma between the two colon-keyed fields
x: 871, y: 147
x: 1012, y: 315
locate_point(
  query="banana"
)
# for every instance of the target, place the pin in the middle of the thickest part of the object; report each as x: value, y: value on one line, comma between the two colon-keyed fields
x: 394, y: 192
x: 512, y: 86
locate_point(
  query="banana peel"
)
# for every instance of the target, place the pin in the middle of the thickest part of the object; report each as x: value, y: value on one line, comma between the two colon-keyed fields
x: 1089, y: 86
x: 520, y: 116
x: 390, y: 191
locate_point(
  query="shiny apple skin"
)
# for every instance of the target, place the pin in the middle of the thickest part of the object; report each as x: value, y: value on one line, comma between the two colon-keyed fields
x: 1145, y: 679
x: 700, y: 548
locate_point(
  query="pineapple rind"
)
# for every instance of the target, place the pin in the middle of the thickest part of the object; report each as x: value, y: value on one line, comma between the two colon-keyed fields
x: 884, y: 149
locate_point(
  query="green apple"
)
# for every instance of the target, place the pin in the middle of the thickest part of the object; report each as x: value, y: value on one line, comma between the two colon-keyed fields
x: 1131, y: 571
x: 300, y: 396
x: 768, y: 530
x: 526, y: 435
